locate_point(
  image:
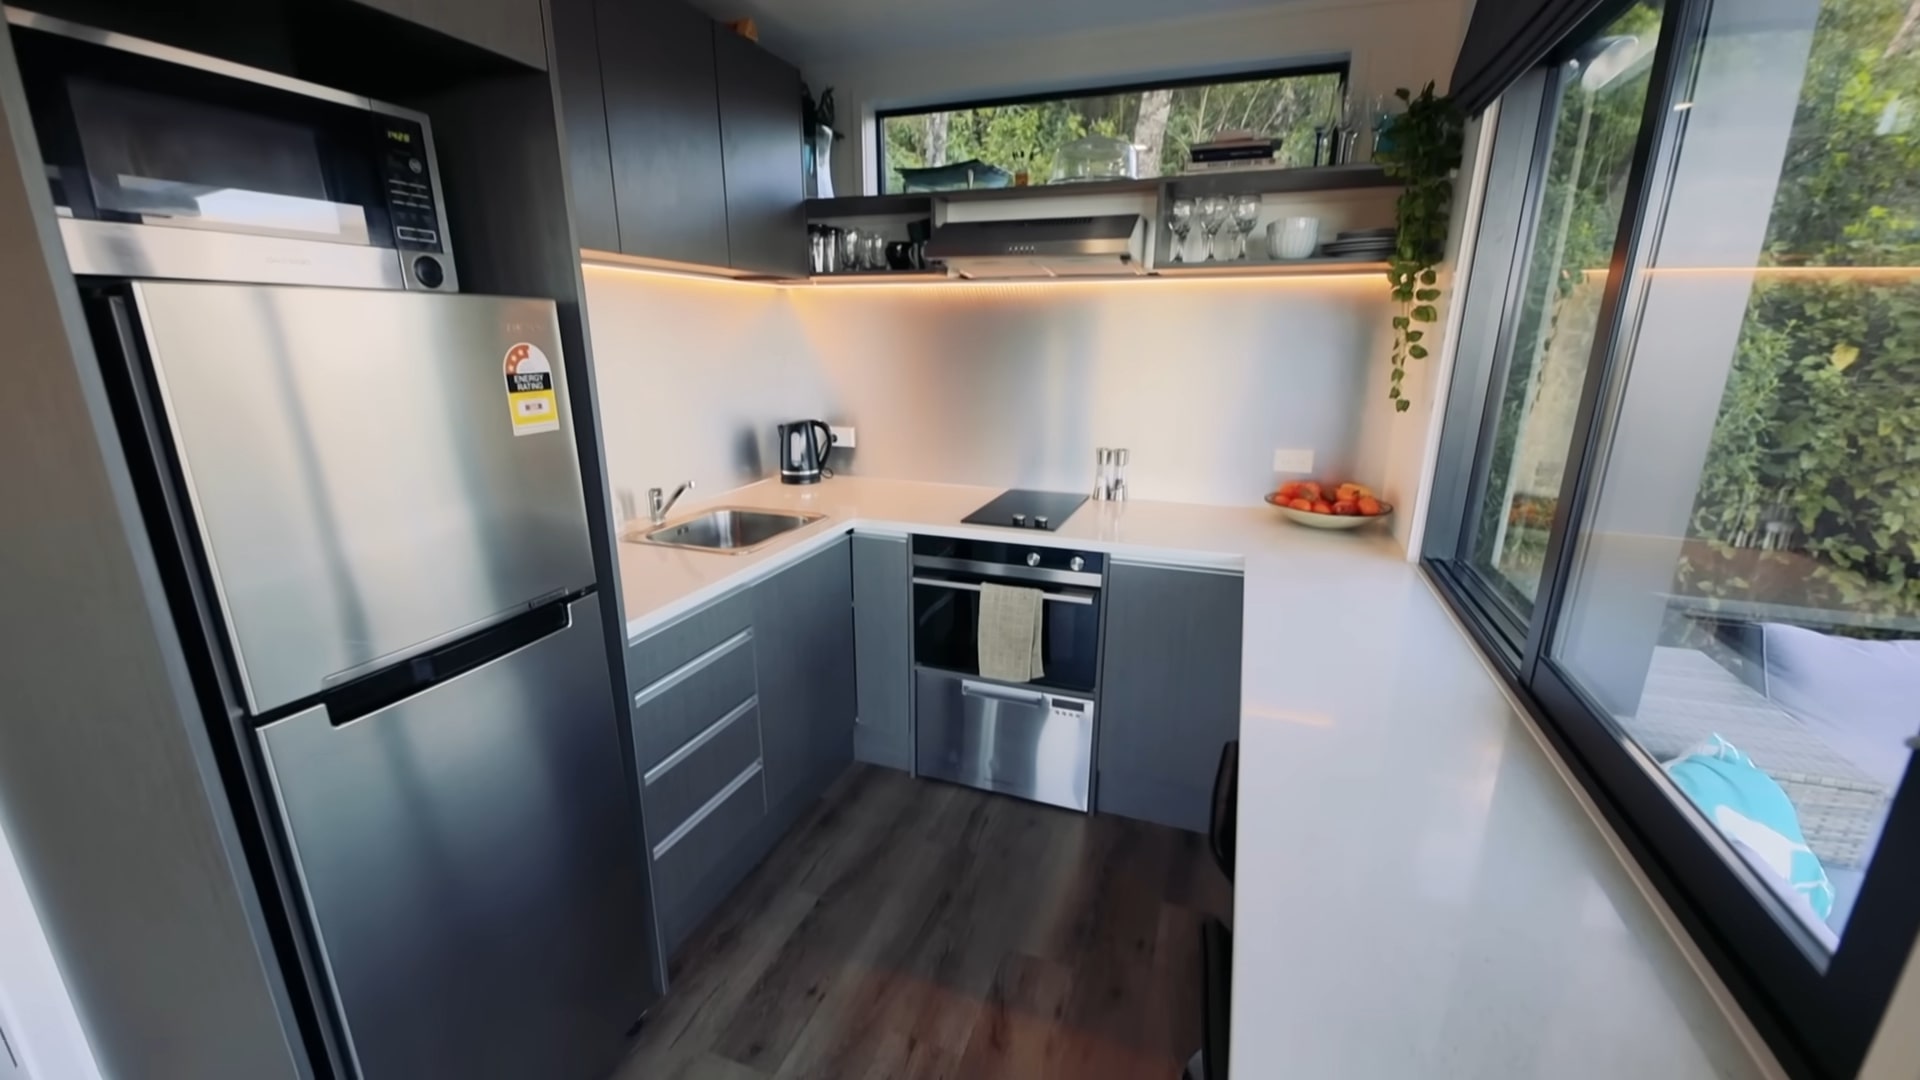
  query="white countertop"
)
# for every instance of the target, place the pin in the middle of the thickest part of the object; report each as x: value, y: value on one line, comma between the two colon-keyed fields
x: 1418, y: 891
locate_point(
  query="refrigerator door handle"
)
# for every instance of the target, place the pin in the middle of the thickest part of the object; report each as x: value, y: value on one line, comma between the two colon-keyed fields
x: 397, y: 682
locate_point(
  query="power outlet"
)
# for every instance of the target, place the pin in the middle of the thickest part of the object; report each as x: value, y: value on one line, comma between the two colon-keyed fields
x: 843, y: 437
x: 1293, y: 461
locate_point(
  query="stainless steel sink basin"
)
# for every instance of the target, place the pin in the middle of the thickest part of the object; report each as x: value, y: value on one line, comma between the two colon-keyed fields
x: 730, y: 530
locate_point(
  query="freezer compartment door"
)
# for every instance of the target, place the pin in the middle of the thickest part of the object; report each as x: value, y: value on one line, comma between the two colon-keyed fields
x: 362, y: 480
x: 1016, y: 741
x: 472, y: 868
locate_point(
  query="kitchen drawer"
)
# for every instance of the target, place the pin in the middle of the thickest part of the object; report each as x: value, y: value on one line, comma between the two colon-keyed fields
x: 678, y: 787
x: 666, y: 650
x: 674, y: 709
x: 704, y: 845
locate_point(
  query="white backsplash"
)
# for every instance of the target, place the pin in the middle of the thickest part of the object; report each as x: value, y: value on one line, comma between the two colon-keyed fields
x: 994, y: 385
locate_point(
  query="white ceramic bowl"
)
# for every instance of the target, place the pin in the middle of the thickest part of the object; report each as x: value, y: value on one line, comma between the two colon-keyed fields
x: 1335, y: 522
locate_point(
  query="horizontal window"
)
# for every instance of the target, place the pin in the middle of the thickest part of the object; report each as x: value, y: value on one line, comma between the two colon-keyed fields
x: 1153, y: 126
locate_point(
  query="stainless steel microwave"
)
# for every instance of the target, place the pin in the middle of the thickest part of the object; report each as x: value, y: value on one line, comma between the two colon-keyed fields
x: 169, y: 164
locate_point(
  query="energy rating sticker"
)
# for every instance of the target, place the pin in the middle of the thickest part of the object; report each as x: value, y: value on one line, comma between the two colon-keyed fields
x: 530, y: 391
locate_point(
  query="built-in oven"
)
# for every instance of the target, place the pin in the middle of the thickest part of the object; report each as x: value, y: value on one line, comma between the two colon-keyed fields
x: 169, y: 164
x: 1033, y: 739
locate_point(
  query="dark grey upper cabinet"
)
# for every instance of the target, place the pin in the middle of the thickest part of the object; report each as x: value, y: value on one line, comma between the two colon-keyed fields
x: 576, y: 47
x: 883, y: 640
x: 803, y: 631
x: 760, y: 143
x: 1170, y: 690
x: 508, y: 27
x: 663, y: 124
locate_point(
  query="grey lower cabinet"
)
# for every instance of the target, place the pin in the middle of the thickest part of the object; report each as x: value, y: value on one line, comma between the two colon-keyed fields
x: 883, y: 648
x: 806, y: 662
x: 508, y: 27
x: 743, y: 716
x: 1170, y: 690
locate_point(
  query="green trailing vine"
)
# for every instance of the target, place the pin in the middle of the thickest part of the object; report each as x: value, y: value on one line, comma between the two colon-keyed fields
x: 1420, y: 148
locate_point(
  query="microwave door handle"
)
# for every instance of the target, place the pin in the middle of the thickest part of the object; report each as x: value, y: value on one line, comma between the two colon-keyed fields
x: 968, y: 586
x: 969, y: 688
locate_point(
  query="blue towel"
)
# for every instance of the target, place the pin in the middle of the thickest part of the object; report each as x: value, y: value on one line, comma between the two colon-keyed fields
x: 1752, y: 811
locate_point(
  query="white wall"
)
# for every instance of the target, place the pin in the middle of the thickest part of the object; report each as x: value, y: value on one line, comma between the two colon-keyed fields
x: 42, y: 1026
x: 1388, y: 44
x: 997, y: 385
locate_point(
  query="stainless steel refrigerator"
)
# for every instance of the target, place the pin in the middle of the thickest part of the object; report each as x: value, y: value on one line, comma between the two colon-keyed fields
x: 379, y: 531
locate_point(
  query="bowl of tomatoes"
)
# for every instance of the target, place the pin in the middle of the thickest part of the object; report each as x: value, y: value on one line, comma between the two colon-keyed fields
x: 1329, y: 506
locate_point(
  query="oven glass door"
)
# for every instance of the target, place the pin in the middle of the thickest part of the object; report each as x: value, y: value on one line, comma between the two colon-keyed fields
x: 946, y: 633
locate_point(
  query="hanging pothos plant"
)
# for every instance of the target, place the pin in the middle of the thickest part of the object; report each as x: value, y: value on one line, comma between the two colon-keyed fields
x: 1420, y: 148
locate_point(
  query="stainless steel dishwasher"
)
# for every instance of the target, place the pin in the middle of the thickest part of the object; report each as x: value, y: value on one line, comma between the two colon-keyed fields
x: 1035, y: 739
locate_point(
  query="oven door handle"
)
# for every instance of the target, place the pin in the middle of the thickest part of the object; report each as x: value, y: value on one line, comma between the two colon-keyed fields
x: 969, y: 688
x: 968, y: 586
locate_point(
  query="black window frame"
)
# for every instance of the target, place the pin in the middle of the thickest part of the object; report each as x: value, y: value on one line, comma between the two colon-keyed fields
x: 1342, y: 67
x: 1818, y: 1013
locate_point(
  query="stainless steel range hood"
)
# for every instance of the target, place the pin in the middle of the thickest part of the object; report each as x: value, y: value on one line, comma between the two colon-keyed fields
x: 1043, y: 247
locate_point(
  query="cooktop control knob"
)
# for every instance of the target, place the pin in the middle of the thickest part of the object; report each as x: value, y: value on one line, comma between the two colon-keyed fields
x: 1040, y: 522
x: 1019, y: 521
x: 1033, y: 558
x: 1076, y: 563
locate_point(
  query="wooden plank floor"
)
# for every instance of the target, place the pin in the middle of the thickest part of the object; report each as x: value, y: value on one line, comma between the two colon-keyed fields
x: 913, y: 929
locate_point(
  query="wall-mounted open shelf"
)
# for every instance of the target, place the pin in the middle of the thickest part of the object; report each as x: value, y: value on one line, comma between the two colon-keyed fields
x: 1264, y: 267
x: 1244, y: 181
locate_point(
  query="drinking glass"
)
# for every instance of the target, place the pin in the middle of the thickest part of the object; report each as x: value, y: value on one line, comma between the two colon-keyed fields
x: 1214, y: 212
x: 851, y: 249
x: 1246, y: 215
x: 1180, y: 222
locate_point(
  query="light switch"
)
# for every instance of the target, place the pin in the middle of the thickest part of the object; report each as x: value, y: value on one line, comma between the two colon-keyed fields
x: 1293, y: 461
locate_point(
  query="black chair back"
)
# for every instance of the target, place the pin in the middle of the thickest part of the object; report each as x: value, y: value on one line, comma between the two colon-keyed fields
x: 1226, y: 807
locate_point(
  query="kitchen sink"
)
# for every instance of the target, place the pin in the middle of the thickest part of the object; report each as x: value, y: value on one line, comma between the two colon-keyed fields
x: 730, y: 530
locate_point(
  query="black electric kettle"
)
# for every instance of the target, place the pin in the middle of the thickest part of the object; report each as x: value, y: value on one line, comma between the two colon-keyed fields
x: 805, y: 446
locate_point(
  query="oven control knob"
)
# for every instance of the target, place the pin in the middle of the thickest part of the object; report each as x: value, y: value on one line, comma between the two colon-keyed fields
x: 1076, y: 564
x: 1033, y: 558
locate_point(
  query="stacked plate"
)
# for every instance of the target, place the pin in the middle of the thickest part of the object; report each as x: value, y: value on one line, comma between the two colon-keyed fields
x: 1362, y: 244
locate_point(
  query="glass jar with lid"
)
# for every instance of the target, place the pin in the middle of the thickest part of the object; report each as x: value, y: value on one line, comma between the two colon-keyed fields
x: 1095, y: 157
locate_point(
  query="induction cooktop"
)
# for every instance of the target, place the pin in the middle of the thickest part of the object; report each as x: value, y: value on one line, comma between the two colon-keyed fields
x: 1025, y: 509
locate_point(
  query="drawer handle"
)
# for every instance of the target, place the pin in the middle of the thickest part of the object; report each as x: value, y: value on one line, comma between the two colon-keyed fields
x: 666, y: 764
x: 706, y: 810
x: 692, y: 667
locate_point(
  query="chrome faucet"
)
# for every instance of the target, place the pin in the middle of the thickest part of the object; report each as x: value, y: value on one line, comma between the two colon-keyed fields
x: 658, y: 502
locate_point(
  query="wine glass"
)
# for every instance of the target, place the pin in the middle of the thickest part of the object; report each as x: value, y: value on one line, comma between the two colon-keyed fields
x: 1246, y: 215
x: 1214, y: 212
x: 1180, y: 222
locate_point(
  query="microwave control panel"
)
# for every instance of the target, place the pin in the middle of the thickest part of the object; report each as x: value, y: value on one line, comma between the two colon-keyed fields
x: 409, y: 183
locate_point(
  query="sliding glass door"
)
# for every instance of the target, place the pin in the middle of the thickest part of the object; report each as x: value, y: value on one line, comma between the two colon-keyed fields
x: 1597, y: 97
x: 1688, y: 474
